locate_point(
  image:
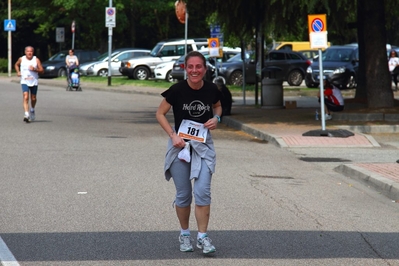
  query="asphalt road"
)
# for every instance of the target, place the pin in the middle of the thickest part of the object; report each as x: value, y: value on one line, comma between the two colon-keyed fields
x: 83, y: 185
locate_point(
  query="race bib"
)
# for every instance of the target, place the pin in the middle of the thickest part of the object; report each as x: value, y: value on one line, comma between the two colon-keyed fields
x: 30, y: 81
x: 192, y: 130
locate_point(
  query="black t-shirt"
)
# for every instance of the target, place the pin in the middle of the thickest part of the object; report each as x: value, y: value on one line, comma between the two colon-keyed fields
x: 195, y: 105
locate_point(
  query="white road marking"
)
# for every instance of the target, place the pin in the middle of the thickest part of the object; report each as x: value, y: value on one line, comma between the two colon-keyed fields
x: 6, y: 257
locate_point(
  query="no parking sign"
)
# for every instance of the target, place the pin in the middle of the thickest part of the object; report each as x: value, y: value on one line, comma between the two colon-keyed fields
x: 318, y: 31
x: 317, y: 23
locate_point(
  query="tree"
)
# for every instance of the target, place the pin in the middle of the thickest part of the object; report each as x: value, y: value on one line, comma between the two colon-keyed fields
x: 374, y: 84
x: 138, y: 24
x: 375, y: 80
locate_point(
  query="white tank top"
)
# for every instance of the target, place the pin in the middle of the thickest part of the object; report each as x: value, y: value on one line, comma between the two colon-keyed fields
x: 28, y: 77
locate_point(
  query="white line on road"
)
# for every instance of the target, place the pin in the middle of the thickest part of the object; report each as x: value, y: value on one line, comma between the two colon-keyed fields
x: 6, y: 257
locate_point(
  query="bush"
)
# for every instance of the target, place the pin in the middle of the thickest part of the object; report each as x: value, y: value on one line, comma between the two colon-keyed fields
x: 3, y: 65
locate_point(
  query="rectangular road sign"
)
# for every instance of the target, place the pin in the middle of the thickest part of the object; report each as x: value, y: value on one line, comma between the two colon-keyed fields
x: 10, y: 25
x: 60, y: 34
x: 110, y: 17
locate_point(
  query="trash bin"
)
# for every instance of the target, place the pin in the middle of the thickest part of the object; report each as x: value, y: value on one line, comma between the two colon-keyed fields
x: 272, y: 88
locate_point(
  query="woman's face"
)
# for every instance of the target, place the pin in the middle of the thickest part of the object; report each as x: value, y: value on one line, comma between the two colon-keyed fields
x: 195, y: 69
x: 70, y: 52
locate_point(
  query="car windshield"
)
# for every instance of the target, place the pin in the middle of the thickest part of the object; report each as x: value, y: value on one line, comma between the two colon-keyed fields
x: 104, y: 56
x: 236, y: 58
x: 156, y: 49
x: 58, y: 56
x: 337, y: 55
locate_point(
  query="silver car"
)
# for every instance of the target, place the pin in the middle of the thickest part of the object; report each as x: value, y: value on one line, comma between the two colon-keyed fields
x: 101, y: 68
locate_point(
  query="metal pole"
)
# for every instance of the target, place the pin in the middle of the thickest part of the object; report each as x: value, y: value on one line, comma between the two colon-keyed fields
x: 9, y: 41
x: 321, y: 79
x: 109, y: 49
x: 73, y: 35
x: 185, y: 38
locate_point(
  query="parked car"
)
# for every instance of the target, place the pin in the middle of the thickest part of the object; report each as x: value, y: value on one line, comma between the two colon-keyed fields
x: 232, y: 70
x: 101, y: 68
x: 292, y: 64
x: 56, y: 67
x: 164, y: 71
x: 83, y: 67
x: 340, y: 66
x: 310, y: 54
x: 142, y: 68
x: 178, y: 67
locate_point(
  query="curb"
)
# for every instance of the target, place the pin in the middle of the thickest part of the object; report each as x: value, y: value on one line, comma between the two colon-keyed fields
x: 230, y: 122
x: 277, y: 140
x: 372, y: 129
x: 384, y: 185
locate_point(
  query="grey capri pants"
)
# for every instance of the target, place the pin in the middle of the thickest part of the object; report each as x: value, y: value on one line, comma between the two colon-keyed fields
x: 184, y: 190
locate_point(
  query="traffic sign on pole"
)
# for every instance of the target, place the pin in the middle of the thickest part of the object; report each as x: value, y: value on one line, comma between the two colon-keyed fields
x: 318, y: 39
x: 60, y: 34
x: 10, y: 25
x: 217, y: 33
x: 110, y: 17
x: 318, y: 31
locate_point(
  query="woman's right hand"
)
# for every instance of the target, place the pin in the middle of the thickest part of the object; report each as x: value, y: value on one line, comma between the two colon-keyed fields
x: 177, y: 141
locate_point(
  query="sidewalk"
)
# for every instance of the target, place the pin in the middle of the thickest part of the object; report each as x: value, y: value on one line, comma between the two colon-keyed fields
x: 285, y: 128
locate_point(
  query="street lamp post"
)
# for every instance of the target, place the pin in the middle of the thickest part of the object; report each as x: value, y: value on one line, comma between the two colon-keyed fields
x: 9, y: 41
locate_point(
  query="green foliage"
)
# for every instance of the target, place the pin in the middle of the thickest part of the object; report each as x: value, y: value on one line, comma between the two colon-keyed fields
x: 3, y: 65
x: 144, y: 23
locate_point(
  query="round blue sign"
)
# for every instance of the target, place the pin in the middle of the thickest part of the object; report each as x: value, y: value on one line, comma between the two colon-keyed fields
x: 110, y: 11
x: 317, y: 25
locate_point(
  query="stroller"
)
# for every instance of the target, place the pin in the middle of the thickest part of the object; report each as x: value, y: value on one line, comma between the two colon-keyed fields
x: 73, y: 79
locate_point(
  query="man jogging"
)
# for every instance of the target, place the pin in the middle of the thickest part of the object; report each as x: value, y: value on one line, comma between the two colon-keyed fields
x: 28, y: 68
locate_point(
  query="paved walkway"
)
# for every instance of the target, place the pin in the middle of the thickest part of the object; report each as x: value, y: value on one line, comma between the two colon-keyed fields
x: 285, y: 128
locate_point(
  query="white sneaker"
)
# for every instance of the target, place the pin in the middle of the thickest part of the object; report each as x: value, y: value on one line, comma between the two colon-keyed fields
x: 327, y: 117
x: 26, y: 118
x: 205, y: 244
x: 32, y: 115
x: 185, y: 243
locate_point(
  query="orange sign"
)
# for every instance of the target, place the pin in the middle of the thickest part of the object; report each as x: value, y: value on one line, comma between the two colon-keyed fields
x: 180, y: 8
x: 317, y: 23
x: 213, y: 42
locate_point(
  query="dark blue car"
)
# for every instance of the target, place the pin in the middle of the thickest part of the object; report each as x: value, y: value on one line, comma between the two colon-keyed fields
x: 340, y: 66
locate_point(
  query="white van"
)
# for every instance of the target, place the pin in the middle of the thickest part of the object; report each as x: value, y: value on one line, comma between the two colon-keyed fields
x: 165, y: 51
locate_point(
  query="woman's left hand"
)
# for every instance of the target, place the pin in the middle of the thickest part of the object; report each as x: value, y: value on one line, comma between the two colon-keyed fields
x: 211, y: 123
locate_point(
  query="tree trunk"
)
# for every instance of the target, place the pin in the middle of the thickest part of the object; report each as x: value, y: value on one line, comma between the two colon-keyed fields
x: 372, y: 51
x: 361, y: 93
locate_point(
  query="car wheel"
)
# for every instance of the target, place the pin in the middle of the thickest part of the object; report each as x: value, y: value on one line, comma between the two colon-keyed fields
x: 102, y: 72
x: 295, y: 78
x: 141, y: 73
x: 351, y: 83
x: 169, y: 77
x: 236, y: 78
x: 62, y: 72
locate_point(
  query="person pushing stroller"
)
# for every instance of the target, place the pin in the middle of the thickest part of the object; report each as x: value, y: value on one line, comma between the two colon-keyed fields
x: 72, y: 63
